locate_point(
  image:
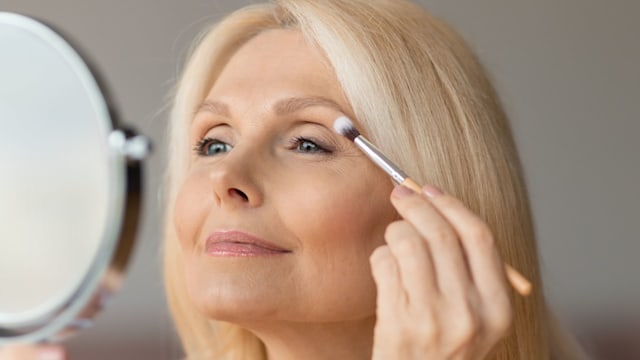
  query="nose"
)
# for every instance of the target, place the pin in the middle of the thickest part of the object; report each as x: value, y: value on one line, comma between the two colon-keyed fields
x: 234, y: 182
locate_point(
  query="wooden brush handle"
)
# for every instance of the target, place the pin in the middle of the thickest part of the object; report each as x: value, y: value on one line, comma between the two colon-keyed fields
x: 517, y: 280
x: 408, y: 182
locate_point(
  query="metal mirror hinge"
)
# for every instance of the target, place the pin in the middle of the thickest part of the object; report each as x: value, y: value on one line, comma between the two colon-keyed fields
x: 133, y: 146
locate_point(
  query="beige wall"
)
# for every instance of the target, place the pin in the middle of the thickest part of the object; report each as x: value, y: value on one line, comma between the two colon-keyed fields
x: 567, y: 74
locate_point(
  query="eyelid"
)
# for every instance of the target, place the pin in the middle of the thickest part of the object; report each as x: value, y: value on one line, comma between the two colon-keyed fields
x: 322, y: 136
x: 200, y: 128
x: 214, y: 130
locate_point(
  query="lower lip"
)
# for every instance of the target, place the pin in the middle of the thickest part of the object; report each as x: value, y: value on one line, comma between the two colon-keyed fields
x: 233, y: 249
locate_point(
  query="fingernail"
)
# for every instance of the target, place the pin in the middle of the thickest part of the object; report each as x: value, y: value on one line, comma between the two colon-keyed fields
x: 401, y: 191
x: 51, y: 353
x: 431, y: 191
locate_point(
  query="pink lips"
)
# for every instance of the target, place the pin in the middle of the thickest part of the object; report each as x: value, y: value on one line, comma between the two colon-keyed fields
x: 239, y: 244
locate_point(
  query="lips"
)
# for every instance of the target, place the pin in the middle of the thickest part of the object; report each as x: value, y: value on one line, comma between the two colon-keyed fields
x: 234, y: 243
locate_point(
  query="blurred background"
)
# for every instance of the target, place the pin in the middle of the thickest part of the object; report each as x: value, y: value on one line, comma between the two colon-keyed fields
x: 567, y: 73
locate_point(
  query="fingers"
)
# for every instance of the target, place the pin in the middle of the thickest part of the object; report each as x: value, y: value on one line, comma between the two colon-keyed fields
x: 487, y: 267
x: 484, y: 262
x: 385, y: 272
x: 413, y: 260
x: 33, y: 352
x: 447, y: 254
x: 476, y: 244
x: 442, y: 259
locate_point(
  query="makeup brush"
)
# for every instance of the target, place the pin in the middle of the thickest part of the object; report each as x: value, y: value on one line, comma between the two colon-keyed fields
x: 344, y: 127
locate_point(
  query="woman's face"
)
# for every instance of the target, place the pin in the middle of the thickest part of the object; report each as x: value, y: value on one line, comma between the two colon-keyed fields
x: 278, y: 214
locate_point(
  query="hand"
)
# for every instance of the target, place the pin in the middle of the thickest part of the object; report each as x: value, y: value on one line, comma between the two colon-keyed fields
x: 33, y: 352
x: 442, y: 292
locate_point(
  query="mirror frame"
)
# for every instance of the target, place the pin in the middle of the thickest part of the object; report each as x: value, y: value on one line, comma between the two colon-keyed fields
x: 126, y: 150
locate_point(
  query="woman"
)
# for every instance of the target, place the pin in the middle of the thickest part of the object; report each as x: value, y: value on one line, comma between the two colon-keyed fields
x: 283, y: 241
x: 265, y: 85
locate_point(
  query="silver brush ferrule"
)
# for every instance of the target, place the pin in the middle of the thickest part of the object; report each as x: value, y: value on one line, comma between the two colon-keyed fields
x: 382, y: 161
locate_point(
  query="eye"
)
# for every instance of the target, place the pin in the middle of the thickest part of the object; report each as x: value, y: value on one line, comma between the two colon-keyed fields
x: 304, y: 145
x: 211, y: 147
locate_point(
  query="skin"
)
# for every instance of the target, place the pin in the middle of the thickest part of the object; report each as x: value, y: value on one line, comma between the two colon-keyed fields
x: 331, y: 210
x: 30, y: 352
x: 368, y: 274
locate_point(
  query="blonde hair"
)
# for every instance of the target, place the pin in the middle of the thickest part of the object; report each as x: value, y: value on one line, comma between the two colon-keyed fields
x: 424, y: 98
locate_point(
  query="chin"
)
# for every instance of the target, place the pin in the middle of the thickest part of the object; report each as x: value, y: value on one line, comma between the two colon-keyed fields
x: 235, y: 291
x: 248, y: 292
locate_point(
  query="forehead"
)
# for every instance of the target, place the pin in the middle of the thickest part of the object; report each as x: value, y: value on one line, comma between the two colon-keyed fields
x: 278, y: 62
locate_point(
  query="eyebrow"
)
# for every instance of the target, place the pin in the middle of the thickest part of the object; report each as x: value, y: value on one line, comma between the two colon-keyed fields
x: 214, y: 107
x: 281, y: 108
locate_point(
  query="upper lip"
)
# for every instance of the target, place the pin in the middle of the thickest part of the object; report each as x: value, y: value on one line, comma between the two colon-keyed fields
x: 241, y: 237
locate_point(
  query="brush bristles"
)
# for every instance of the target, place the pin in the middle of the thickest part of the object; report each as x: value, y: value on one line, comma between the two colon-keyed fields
x: 344, y: 127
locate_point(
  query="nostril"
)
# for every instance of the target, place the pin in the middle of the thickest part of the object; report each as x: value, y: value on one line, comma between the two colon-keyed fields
x: 238, y: 192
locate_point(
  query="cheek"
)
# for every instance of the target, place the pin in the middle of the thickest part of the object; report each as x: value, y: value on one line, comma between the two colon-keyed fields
x: 340, y: 215
x: 190, y: 210
x: 338, y: 223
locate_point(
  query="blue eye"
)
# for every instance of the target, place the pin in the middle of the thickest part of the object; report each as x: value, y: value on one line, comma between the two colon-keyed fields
x: 307, y: 146
x: 211, y: 147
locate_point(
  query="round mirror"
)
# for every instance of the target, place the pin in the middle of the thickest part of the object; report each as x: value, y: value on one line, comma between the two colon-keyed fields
x: 69, y: 186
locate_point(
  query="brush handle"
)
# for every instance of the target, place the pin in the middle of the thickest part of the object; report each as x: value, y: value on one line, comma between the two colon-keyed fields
x: 517, y: 280
x: 408, y: 182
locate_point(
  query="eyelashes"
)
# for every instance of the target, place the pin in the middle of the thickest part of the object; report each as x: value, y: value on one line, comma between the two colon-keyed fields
x: 209, y: 146
x: 306, y: 145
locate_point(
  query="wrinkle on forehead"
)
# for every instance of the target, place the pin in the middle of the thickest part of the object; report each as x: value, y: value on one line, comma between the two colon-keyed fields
x: 280, y: 57
x: 277, y: 72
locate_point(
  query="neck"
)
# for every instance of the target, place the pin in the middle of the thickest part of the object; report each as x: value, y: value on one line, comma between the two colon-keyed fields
x: 295, y: 340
